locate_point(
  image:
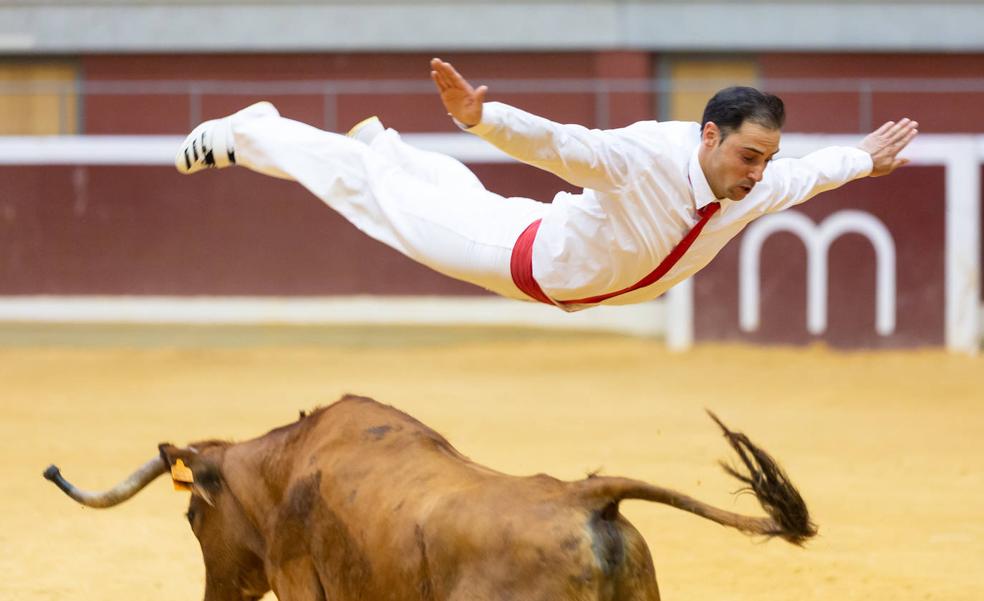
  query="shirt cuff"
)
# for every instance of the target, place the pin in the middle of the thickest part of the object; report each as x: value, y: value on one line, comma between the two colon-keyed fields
x: 862, y: 162
x: 490, y: 118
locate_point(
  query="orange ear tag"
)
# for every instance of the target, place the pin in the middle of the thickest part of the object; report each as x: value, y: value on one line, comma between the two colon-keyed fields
x: 181, y: 476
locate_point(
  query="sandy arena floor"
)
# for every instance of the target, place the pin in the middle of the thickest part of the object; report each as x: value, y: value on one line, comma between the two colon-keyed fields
x: 886, y: 448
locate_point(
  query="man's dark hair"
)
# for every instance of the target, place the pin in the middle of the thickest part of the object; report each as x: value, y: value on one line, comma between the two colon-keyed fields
x: 731, y: 107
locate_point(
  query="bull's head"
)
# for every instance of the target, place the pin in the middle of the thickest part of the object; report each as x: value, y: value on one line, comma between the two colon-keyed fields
x: 230, y: 543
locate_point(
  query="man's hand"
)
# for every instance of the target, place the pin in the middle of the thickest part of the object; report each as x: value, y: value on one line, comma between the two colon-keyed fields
x: 462, y: 101
x: 885, y: 143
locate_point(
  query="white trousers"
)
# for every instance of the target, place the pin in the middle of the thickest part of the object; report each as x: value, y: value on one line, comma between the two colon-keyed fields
x: 426, y: 205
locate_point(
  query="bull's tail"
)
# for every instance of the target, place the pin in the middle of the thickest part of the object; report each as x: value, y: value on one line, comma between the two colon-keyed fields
x: 788, y: 515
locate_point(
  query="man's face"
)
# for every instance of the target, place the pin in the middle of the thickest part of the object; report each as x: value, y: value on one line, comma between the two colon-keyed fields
x: 735, y: 163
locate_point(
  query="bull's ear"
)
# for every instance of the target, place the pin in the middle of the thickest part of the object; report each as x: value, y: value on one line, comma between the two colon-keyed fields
x: 192, y: 472
x: 179, y: 462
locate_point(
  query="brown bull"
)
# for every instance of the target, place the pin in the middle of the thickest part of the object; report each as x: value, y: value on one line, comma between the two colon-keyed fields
x: 361, y: 502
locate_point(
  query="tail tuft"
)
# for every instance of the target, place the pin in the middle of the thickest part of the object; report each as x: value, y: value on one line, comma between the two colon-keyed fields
x: 771, y: 486
x: 52, y: 473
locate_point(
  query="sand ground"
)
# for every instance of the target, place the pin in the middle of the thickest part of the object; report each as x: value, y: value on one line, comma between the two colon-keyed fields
x: 886, y: 448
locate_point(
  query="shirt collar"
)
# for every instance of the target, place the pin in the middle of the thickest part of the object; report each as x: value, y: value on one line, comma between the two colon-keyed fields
x: 699, y: 187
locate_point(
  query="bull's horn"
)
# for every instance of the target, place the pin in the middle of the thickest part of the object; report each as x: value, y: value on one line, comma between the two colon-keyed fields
x: 114, y: 496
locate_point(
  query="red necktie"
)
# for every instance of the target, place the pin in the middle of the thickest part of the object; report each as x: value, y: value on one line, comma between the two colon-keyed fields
x: 521, y: 263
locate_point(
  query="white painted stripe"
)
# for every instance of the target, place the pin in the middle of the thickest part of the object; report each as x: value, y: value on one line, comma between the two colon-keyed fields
x: 646, y: 319
x: 160, y: 150
x: 680, y: 316
x: 464, y: 147
x: 88, y: 150
x: 927, y: 149
x: 963, y: 247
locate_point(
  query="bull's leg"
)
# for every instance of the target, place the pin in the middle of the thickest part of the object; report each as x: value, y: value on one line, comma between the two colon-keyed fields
x: 611, y: 564
x: 579, y: 567
x: 634, y: 578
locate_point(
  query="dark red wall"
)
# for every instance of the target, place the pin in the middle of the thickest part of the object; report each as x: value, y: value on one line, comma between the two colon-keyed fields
x: 148, y: 230
x: 421, y: 110
x: 897, y: 80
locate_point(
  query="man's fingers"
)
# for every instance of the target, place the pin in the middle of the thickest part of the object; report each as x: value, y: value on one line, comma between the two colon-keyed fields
x: 903, y: 126
x: 447, y: 71
x: 895, y: 130
x: 438, y: 65
x: 902, y: 129
x: 894, y: 136
x: 904, y: 140
x: 443, y: 71
x: 459, y: 81
x: 885, y: 143
x: 447, y: 78
x: 438, y: 82
x: 884, y: 128
x: 455, y: 79
x: 442, y: 75
x: 452, y: 72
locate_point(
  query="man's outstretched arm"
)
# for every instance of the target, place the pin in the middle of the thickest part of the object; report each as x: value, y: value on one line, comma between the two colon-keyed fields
x: 586, y: 158
x: 798, y: 180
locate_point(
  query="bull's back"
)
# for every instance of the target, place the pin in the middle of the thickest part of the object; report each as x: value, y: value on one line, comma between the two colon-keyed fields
x: 358, y: 438
x: 417, y: 520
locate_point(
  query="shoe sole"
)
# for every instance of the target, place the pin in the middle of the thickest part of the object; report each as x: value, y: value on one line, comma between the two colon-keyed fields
x: 367, y: 129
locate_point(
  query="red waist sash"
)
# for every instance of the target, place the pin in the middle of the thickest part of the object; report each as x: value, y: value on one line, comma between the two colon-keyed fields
x: 521, y: 263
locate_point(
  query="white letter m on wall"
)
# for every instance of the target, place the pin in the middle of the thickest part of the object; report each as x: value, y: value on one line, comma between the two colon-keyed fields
x: 817, y: 240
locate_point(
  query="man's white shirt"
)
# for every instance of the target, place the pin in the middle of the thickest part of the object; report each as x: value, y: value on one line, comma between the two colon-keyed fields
x: 642, y: 187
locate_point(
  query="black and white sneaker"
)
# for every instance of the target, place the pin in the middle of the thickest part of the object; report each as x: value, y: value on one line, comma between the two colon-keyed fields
x: 209, y: 146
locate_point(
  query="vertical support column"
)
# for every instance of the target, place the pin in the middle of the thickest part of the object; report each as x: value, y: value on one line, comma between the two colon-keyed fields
x: 865, y: 102
x: 329, y: 107
x: 680, y: 316
x: 963, y: 246
x: 194, y: 104
x: 624, y: 94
